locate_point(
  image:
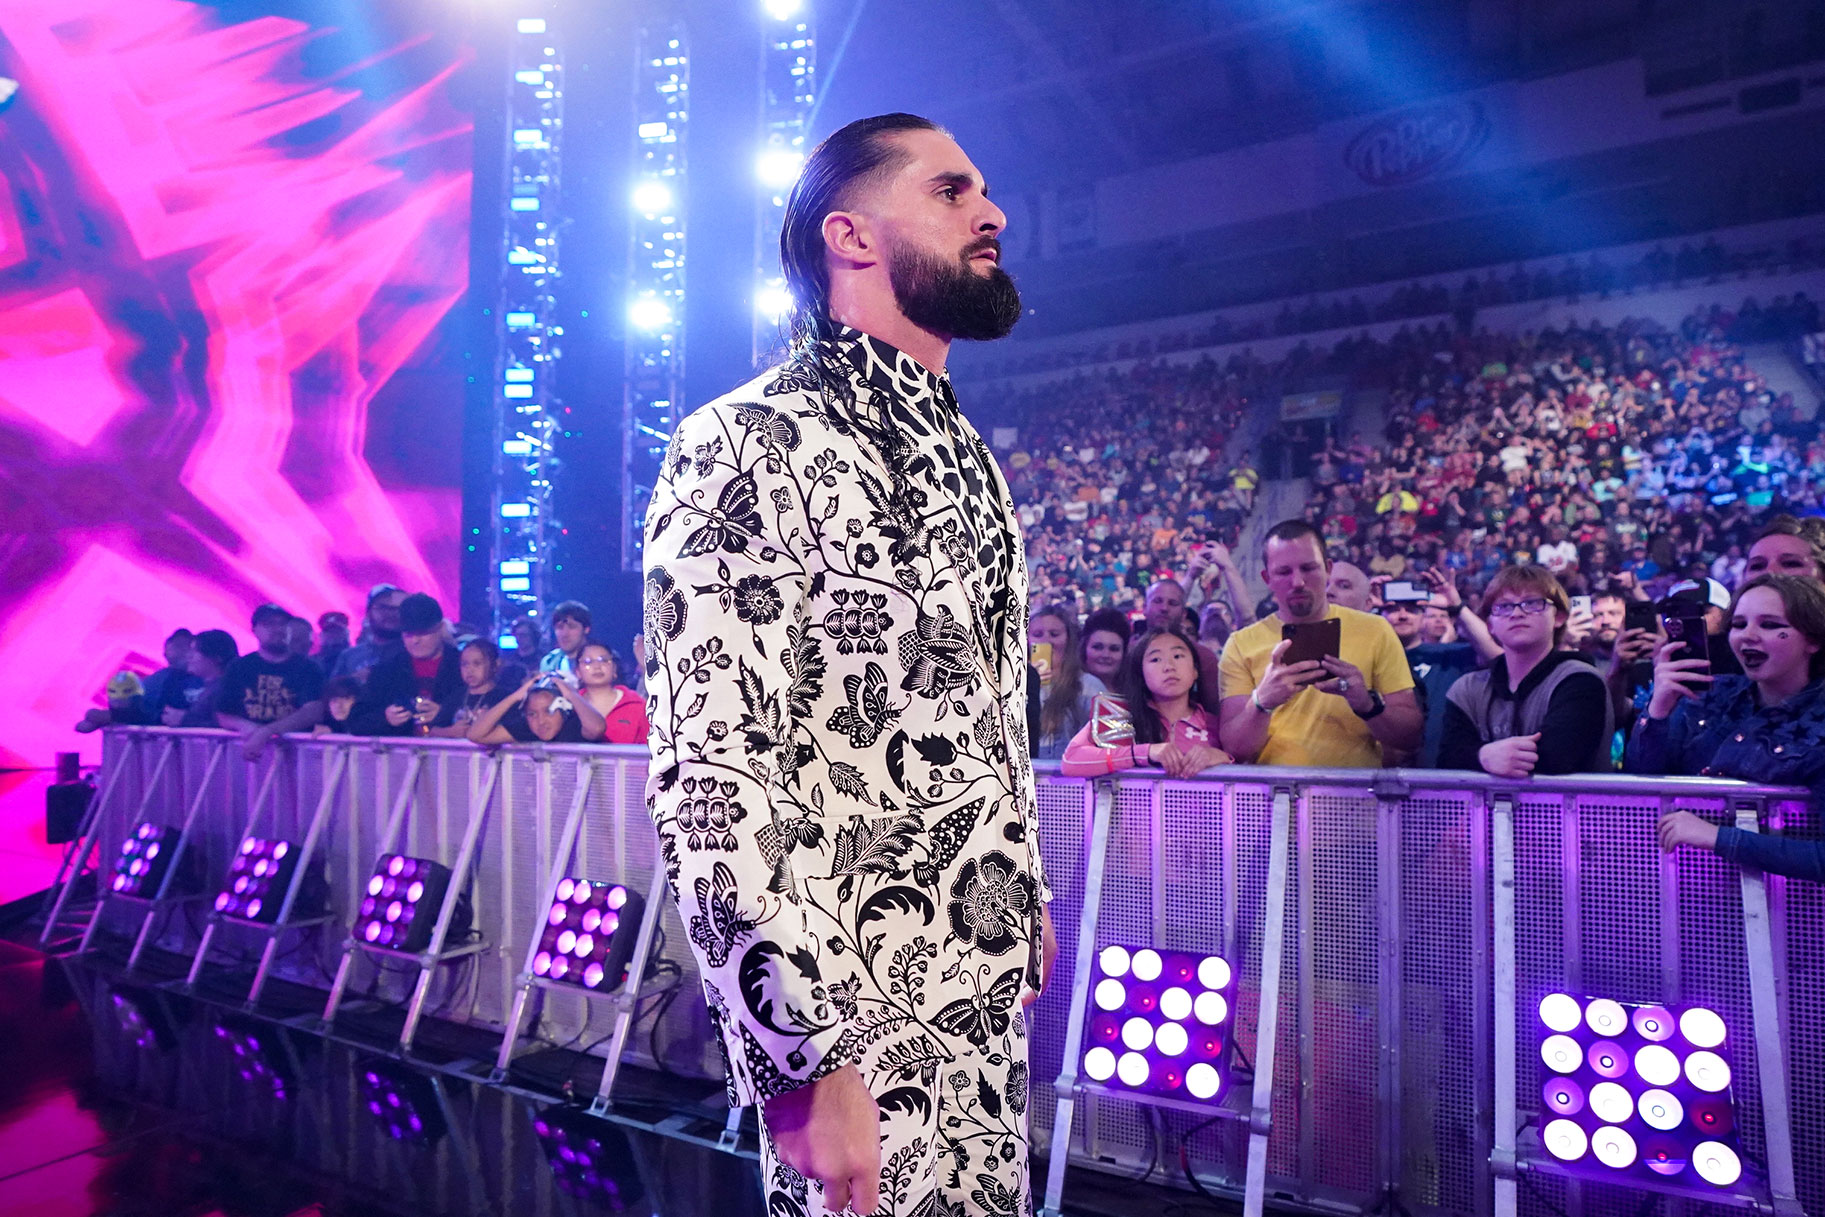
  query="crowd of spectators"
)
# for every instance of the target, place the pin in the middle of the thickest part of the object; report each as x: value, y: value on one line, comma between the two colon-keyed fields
x: 410, y: 671
x: 1593, y: 276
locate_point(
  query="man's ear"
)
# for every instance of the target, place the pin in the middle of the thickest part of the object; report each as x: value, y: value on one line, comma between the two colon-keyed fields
x: 848, y: 236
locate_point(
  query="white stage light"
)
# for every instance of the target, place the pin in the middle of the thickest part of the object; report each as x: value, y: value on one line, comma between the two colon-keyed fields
x: 1657, y: 1065
x: 1606, y: 1017
x: 1147, y: 964
x: 1561, y: 1053
x: 1114, y: 961
x: 1565, y: 1140
x: 1211, y: 1009
x: 1561, y: 1012
x: 1137, y: 1033
x: 1099, y: 1063
x: 1203, y: 1081
x: 1110, y: 994
x: 649, y: 313
x: 1707, y: 1071
x: 1661, y: 1110
x: 778, y: 168
x: 1132, y: 1069
x: 1701, y: 1027
x: 1613, y: 1147
x: 1175, y: 1003
x: 774, y: 302
x: 1611, y: 1103
x: 1213, y: 973
x: 652, y: 197
x: 1171, y: 1040
x: 783, y: 10
x: 1716, y: 1163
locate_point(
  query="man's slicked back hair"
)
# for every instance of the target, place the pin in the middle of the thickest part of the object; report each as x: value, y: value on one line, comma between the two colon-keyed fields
x: 852, y: 156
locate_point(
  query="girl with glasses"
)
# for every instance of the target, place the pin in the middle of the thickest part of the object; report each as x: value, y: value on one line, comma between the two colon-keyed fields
x: 1537, y: 708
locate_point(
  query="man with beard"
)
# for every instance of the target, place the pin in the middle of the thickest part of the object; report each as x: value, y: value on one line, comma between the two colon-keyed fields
x: 836, y: 665
x: 1341, y: 711
x: 379, y: 634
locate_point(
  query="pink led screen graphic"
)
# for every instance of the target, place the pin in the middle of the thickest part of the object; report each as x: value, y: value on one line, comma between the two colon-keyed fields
x: 229, y: 252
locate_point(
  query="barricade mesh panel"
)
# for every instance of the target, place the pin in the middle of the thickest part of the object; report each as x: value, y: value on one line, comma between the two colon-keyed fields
x: 1167, y: 883
x: 1441, y: 884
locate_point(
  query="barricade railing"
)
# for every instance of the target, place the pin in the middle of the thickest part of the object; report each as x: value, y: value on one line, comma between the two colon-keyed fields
x: 1406, y: 1069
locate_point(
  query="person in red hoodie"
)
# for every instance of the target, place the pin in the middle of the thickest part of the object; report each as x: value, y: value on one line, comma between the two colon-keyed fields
x: 1171, y: 728
x: 623, y: 710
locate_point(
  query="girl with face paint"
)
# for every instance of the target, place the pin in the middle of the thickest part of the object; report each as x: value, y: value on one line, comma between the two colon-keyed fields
x: 1766, y: 726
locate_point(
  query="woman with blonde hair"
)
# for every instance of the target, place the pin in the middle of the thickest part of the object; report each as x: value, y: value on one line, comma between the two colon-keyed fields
x: 1066, y: 690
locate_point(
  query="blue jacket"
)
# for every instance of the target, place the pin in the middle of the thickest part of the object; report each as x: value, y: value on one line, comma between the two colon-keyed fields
x: 1726, y: 733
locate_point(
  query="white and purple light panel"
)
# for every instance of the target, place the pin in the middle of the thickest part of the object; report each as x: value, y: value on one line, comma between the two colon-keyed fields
x: 257, y: 879
x: 1161, y: 1022
x: 1637, y: 1088
x: 144, y: 856
x: 589, y: 934
x: 253, y: 1061
x: 403, y: 1103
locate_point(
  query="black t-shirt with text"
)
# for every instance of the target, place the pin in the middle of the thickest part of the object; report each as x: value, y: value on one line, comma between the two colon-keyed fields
x: 261, y: 691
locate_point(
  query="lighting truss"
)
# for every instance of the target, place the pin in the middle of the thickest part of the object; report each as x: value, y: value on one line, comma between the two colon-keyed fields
x: 528, y: 336
x: 653, y: 397
x: 787, y: 98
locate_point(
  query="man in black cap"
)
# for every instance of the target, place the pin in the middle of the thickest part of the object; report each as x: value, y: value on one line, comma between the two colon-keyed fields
x: 379, y: 634
x: 270, y: 691
x: 407, y: 688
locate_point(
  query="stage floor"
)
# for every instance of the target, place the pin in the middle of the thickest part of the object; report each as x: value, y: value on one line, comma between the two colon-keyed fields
x: 153, y: 1115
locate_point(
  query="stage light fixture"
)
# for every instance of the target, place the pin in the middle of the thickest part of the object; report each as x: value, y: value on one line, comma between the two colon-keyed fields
x: 652, y: 197
x: 144, y: 858
x: 400, y: 903
x: 402, y: 1101
x: 589, y: 934
x: 258, y: 878
x: 1717, y: 1164
x: 778, y: 168
x: 783, y: 10
x: 1636, y: 1088
x: 773, y: 301
x: 590, y: 1158
x: 649, y: 313
x: 1148, y: 1032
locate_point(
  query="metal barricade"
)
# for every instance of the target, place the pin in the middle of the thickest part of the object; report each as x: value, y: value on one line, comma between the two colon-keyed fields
x: 1384, y: 1089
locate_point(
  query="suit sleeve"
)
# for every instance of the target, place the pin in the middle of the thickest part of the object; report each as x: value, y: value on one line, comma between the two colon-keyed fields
x: 726, y: 585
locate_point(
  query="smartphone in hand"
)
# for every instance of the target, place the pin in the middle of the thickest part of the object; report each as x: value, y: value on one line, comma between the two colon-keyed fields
x: 1685, y: 625
x: 1313, y: 640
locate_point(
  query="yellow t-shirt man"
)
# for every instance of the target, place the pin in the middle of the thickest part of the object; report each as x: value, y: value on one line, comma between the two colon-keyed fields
x: 1313, y: 728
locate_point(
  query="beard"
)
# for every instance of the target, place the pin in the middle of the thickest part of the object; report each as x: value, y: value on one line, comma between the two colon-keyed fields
x: 951, y: 298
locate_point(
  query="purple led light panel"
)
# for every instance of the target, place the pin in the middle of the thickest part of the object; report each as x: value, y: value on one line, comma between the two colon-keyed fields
x: 258, y: 878
x: 588, y: 934
x: 1160, y: 1022
x: 1628, y: 1088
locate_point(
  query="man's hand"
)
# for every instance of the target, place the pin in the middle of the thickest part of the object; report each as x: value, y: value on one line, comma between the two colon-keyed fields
x: 1282, y: 680
x: 1514, y: 757
x: 255, y: 741
x: 830, y: 1132
x: 1683, y: 828
x: 398, y: 716
x: 1443, y: 585
x: 1632, y: 646
x: 1048, y: 955
x: 171, y: 716
x: 1346, y: 681
x: 93, y: 720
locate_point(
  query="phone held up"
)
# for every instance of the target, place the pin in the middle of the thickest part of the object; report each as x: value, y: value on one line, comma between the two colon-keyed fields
x: 1685, y: 625
x: 1312, y: 640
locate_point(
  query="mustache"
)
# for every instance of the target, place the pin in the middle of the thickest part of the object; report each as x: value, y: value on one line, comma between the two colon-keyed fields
x: 984, y: 245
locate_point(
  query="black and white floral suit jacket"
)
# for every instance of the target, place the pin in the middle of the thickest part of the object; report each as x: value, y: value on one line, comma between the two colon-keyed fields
x: 835, y: 625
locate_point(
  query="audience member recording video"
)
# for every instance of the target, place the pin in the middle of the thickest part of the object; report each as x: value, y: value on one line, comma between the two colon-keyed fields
x: 408, y: 688
x: 1766, y: 725
x: 1156, y: 717
x: 1337, y: 700
x: 1536, y: 708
